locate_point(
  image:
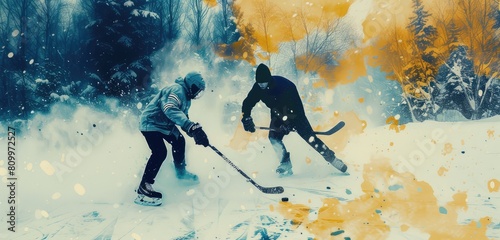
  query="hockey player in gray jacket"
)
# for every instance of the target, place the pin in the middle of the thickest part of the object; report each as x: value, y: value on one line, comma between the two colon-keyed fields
x: 159, y: 121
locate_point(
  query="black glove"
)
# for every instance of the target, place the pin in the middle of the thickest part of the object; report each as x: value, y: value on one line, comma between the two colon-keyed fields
x: 200, y: 137
x: 285, y: 129
x: 248, y: 124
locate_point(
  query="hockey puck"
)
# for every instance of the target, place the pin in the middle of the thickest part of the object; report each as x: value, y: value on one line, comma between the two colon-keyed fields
x: 284, y: 199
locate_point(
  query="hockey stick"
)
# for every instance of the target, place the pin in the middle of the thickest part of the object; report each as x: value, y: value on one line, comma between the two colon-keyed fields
x: 267, y: 190
x: 333, y: 130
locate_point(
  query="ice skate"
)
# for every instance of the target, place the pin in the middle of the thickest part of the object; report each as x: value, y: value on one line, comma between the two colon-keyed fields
x: 185, y: 176
x: 147, y: 196
x: 285, y: 167
x: 337, y: 163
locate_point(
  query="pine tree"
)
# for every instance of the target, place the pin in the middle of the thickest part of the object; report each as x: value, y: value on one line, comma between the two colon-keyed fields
x: 225, y: 31
x: 457, y: 79
x: 493, y: 98
x: 424, y: 34
x: 496, y: 16
x: 461, y: 89
x: 243, y: 47
x: 122, y: 37
x: 453, y: 38
x: 492, y: 104
x: 420, y: 69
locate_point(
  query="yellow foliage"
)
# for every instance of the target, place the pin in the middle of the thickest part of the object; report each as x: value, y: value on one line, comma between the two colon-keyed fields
x: 389, y: 44
x: 394, y: 124
x: 210, y: 3
x: 263, y: 57
x: 275, y: 21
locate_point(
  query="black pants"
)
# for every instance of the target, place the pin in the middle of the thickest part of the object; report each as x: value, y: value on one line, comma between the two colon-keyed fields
x: 159, y: 153
x: 305, y: 131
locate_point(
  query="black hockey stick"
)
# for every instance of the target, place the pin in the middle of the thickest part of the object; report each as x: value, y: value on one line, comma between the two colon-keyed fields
x: 333, y: 130
x: 267, y: 190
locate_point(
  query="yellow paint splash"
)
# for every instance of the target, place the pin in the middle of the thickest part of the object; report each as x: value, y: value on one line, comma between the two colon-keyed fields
x: 393, y: 45
x: 459, y: 201
x: 241, y: 138
x: 384, y: 15
x: 448, y: 148
x: 79, y: 189
x: 210, y: 3
x: 135, y: 236
x: 351, y: 67
x: 404, y: 228
x: 394, y: 124
x: 267, y: 24
x: 493, y: 185
x: 317, y: 109
x: 491, y: 133
x: 47, y: 167
x: 56, y: 195
x: 391, y: 199
x: 338, y: 141
x: 41, y: 214
x: 442, y: 171
x: 298, y: 213
x: 245, y: 47
x: 340, y: 9
x: 272, y: 21
x: 319, y: 84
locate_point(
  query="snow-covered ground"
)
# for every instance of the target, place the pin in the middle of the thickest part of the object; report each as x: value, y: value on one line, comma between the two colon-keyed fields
x: 430, y: 180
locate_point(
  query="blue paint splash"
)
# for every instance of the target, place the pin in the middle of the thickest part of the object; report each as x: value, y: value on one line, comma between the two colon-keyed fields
x: 443, y: 210
x: 395, y: 187
x: 337, y: 233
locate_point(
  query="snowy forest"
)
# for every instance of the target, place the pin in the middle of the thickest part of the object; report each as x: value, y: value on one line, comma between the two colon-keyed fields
x: 427, y: 61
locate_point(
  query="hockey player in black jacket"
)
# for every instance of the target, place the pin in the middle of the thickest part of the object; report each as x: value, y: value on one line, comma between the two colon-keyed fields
x: 287, y: 114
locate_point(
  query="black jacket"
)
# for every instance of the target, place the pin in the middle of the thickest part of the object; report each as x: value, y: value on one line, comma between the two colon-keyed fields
x: 281, y: 96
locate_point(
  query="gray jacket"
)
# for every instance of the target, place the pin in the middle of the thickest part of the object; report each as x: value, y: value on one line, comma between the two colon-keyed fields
x: 167, y: 109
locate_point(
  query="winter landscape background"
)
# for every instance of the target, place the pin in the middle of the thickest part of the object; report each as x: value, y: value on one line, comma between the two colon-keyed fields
x: 415, y: 81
